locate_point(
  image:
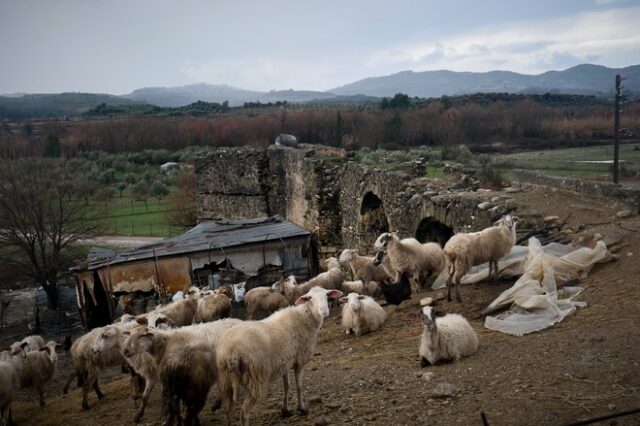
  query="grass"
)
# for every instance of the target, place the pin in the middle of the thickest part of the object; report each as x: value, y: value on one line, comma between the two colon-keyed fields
x: 562, y: 162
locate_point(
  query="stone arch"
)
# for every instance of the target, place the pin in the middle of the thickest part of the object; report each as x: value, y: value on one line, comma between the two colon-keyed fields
x: 373, y: 220
x: 430, y: 229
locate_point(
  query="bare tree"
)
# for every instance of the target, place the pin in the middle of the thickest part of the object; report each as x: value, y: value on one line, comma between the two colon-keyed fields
x: 40, y: 219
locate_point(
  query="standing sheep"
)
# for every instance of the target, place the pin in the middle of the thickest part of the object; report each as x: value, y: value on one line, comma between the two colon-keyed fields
x: 38, y: 368
x: 256, y: 353
x: 212, y: 307
x: 463, y: 251
x: 180, y: 312
x: 363, y: 268
x: 409, y: 256
x: 361, y: 314
x: 10, y: 369
x: 446, y: 338
x: 33, y: 343
x: 330, y: 279
x: 267, y: 299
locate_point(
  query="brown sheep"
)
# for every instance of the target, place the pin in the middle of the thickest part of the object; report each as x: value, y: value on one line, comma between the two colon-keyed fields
x: 212, y: 307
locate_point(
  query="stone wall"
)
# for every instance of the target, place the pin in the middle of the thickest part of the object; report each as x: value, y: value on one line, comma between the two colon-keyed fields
x: 605, y: 190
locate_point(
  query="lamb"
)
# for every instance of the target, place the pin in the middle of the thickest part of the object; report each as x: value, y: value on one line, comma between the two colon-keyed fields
x: 88, y: 364
x: 212, y: 307
x: 398, y: 292
x: 267, y: 299
x: 186, y: 374
x: 446, y: 338
x: 38, y: 368
x: 145, y: 349
x: 255, y: 353
x: 361, y: 314
x: 363, y: 268
x: 409, y: 256
x: 463, y: 251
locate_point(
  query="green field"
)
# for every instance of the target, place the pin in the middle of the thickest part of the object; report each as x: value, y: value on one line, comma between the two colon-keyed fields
x: 565, y: 162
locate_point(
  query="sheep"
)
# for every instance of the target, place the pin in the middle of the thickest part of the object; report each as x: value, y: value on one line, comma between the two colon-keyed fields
x: 186, y: 374
x: 38, y: 368
x: 267, y: 299
x: 372, y: 288
x: 11, y: 365
x: 226, y: 291
x: 87, y: 363
x: 255, y: 353
x: 398, y: 292
x: 145, y: 348
x: 34, y: 343
x: 463, y: 251
x: 409, y: 256
x: 212, y: 307
x: 446, y: 338
x: 362, y: 267
x: 330, y: 279
x: 180, y: 312
x: 361, y: 314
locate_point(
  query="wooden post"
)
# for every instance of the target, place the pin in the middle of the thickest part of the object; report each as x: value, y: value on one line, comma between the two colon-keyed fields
x: 616, y: 132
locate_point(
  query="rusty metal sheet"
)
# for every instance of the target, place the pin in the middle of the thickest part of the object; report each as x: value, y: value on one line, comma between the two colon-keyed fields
x: 174, y: 274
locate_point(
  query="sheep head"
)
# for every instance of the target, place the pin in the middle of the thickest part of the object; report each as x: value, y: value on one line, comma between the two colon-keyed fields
x: 378, y: 258
x: 332, y: 263
x: 346, y: 256
x: 429, y: 318
x: 383, y: 240
x: 108, y: 339
x: 318, y: 298
x: 139, y: 340
x: 354, y: 300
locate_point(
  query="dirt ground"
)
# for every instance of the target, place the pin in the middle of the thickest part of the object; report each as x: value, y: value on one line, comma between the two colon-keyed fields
x: 588, y: 365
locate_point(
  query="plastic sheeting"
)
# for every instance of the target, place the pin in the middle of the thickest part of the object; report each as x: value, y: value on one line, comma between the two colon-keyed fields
x: 535, y: 301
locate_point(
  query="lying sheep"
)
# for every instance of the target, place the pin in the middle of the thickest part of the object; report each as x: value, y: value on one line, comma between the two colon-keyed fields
x: 186, y: 375
x: 145, y: 349
x: 256, y: 353
x: 87, y: 364
x: 38, y: 368
x: 330, y: 279
x: 445, y: 338
x: 267, y: 299
x: 372, y: 288
x: 463, y: 251
x: 398, y: 292
x: 361, y: 314
x: 212, y: 307
x: 409, y: 256
x: 363, y: 268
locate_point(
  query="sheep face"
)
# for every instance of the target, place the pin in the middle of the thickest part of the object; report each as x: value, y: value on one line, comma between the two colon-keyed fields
x: 377, y: 260
x: 346, y: 256
x: 354, y: 301
x: 429, y: 318
x: 332, y: 263
x: 383, y: 240
x: 193, y: 293
x: 139, y: 340
x: 108, y: 339
x: 50, y: 349
x: 318, y: 297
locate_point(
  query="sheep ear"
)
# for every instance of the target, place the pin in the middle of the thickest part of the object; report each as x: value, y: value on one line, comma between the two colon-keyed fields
x: 343, y: 299
x: 23, y: 345
x: 44, y: 349
x: 142, y: 320
x: 361, y: 297
x: 303, y: 299
x: 515, y: 219
x: 334, y: 294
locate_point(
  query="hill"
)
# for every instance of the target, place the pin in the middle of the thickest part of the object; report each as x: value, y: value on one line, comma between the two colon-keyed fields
x: 55, y: 105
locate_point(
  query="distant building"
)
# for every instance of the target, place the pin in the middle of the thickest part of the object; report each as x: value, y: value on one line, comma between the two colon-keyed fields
x: 255, y: 251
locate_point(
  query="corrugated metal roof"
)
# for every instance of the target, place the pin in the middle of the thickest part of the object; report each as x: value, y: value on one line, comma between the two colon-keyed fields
x: 212, y: 235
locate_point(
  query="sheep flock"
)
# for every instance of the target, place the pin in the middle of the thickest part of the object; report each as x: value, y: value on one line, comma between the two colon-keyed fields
x: 193, y: 350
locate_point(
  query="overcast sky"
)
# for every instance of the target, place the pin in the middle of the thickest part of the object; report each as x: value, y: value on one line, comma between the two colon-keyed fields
x: 115, y: 46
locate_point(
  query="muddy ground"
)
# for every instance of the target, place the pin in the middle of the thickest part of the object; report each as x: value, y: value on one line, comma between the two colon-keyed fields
x: 585, y: 366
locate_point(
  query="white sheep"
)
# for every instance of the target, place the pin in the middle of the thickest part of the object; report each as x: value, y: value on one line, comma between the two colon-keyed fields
x: 11, y: 364
x: 363, y: 268
x: 361, y: 314
x: 180, y: 312
x: 268, y: 299
x: 372, y: 288
x: 445, y: 338
x: 330, y: 279
x: 212, y: 307
x: 38, y: 368
x: 409, y: 256
x: 463, y: 251
x: 255, y: 353
x: 145, y: 348
x: 33, y: 343
x: 87, y: 363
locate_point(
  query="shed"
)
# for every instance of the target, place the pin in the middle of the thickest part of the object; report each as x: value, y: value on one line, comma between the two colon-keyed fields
x: 256, y: 251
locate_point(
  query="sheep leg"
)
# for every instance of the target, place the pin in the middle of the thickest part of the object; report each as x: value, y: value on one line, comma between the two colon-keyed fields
x: 249, y: 401
x: 90, y: 380
x: 299, y: 375
x: 145, y: 399
x: 73, y: 375
x: 458, y: 296
x: 97, y: 390
x: 41, y: 396
x: 285, y: 403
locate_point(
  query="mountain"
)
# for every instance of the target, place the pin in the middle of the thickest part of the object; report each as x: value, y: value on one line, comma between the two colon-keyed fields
x: 184, y: 95
x: 583, y: 79
x: 19, y: 106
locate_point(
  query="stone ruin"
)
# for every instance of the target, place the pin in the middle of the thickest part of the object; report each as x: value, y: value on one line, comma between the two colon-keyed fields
x: 345, y: 204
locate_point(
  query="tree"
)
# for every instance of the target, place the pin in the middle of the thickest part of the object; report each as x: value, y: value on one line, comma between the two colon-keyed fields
x: 40, y: 221
x: 140, y: 192
x: 121, y: 186
x: 159, y: 191
x: 105, y: 195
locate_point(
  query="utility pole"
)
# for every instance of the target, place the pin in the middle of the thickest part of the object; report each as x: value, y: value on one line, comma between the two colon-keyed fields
x: 616, y: 131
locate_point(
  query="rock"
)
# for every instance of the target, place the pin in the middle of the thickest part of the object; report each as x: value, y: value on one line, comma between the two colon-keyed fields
x: 484, y: 206
x: 443, y: 390
x: 624, y: 213
x: 629, y: 254
x: 550, y: 219
x: 426, y: 301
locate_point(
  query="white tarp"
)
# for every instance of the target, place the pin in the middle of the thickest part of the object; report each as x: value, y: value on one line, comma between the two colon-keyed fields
x: 536, y: 303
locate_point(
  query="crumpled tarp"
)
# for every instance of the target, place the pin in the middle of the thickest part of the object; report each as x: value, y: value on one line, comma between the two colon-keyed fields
x: 536, y: 303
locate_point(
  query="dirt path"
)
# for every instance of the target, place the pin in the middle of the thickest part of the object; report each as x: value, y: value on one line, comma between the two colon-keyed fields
x: 587, y: 365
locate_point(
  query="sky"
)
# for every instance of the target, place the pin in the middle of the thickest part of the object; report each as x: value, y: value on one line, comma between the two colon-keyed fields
x: 116, y: 46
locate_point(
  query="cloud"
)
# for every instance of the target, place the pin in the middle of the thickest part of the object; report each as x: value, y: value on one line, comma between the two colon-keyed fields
x: 529, y: 46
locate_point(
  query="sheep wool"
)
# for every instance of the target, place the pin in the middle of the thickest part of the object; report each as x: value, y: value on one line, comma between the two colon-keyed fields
x: 361, y: 314
x: 445, y: 338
